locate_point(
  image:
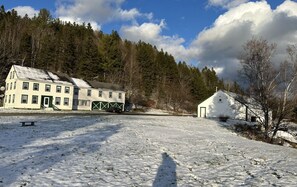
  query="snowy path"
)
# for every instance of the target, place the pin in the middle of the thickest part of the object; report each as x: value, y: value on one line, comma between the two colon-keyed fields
x: 137, y: 151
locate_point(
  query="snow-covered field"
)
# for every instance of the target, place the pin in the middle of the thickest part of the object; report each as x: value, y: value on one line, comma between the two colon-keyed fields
x: 136, y: 151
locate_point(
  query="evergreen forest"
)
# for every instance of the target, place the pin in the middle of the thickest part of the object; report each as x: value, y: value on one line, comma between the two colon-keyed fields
x: 151, y: 77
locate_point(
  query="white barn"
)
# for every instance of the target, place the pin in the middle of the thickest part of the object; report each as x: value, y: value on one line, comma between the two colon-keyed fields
x: 223, y: 103
x: 31, y: 88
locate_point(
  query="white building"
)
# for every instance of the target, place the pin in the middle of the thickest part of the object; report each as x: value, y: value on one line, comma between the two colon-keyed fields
x: 30, y: 88
x: 223, y: 103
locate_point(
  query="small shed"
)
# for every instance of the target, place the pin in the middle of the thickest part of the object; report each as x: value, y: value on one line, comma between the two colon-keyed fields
x: 235, y: 106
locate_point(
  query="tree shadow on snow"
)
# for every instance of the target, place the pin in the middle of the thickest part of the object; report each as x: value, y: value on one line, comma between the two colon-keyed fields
x: 52, y: 145
x: 166, y: 175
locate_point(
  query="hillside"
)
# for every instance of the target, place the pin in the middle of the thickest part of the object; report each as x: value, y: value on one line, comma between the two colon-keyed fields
x: 151, y: 77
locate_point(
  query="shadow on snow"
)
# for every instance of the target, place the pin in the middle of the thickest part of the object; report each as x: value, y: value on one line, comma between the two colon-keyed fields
x: 166, y: 175
x: 37, y: 148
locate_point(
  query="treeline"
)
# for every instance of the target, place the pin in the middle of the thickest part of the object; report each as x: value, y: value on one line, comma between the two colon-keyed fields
x: 151, y: 77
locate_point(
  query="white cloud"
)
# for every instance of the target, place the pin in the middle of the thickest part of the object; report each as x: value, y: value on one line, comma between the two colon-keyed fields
x: 152, y: 33
x: 226, y: 3
x: 23, y: 10
x: 94, y: 24
x: 221, y: 45
x: 96, y: 11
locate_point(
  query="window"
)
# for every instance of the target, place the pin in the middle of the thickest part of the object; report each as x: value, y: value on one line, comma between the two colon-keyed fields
x: 84, y: 102
x: 100, y: 93
x: 13, y: 74
x: 67, y: 89
x: 34, y: 99
x: 47, y: 88
x: 66, y: 101
x: 9, y: 99
x: 76, y: 90
x: 14, y: 85
x: 120, y: 95
x: 6, y: 99
x: 7, y: 86
x: 58, y: 101
x: 58, y: 89
x: 10, y: 75
x: 10, y: 86
x: 24, y: 99
x: 110, y: 94
x: 35, y: 86
x: 13, y: 98
x: 25, y: 86
x: 89, y: 92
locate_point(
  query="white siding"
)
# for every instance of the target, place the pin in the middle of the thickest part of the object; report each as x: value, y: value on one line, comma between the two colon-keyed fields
x: 19, y: 91
x: 221, y: 104
x: 83, y: 96
x: 14, y: 91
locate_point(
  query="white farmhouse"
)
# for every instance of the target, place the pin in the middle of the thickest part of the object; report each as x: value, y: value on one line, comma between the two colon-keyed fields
x: 223, y: 103
x: 31, y: 88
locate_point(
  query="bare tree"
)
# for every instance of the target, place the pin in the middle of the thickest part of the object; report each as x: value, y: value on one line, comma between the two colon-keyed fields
x: 286, y: 90
x: 260, y: 75
x: 271, y: 87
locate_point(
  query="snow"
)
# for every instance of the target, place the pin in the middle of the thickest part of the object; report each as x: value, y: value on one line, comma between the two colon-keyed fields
x: 80, y: 83
x: 37, y: 74
x: 156, y: 111
x: 286, y: 136
x: 121, y: 150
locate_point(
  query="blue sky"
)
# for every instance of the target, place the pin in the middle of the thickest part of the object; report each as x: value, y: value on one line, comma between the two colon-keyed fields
x: 200, y: 32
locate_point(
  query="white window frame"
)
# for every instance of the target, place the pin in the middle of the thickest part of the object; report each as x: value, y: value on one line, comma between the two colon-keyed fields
x: 58, y: 89
x: 47, y: 88
x: 22, y: 99
x: 66, y: 101
x: 34, y: 99
x: 67, y: 89
x: 35, y: 86
x: 56, y: 101
x: 24, y: 87
x: 89, y: 92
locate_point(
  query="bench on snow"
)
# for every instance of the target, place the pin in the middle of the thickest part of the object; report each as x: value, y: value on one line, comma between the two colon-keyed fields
x: 28, y: 123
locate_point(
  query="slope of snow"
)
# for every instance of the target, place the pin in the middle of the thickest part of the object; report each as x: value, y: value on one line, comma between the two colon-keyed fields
x: 137, y: 151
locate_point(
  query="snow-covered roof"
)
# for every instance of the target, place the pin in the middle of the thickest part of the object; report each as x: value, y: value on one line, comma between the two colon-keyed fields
x: 104, y: 85
x: 80, y: 83
x: 250, y: 102
x: 29, y: 73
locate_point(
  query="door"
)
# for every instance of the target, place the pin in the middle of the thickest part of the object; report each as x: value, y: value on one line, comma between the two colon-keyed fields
x: 46, y: 101
x: 203, y: 112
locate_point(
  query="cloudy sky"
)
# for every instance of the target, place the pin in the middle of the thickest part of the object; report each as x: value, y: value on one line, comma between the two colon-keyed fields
x: 201, y: 32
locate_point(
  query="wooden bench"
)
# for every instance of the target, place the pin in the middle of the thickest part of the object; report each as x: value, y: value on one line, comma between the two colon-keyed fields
x: 28, y: 123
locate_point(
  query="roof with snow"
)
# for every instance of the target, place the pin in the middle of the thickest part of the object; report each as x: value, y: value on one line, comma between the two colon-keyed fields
x: 250, y: 102
x: 28, y: 73
x: 98, y: 85
x: 39, y: 75
x: 80, y: 83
